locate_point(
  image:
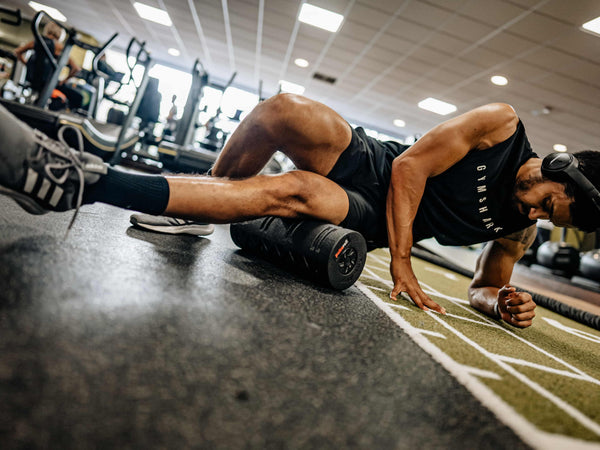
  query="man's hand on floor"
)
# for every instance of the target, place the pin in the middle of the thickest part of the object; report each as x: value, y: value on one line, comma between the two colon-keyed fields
x: 406, y: 281
x: 516, y: 308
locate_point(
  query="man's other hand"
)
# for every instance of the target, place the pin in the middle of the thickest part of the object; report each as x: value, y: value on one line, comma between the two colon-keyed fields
x: 516, y: 308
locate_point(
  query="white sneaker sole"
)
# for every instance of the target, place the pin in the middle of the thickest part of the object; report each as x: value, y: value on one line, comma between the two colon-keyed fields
x: 194, y: 230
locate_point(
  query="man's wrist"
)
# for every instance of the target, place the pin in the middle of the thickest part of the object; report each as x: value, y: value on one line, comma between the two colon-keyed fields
x: 497, y: 311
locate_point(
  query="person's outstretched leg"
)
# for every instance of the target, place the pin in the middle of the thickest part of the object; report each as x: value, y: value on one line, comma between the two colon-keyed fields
x: 311, y: 134
x: 42, y: 174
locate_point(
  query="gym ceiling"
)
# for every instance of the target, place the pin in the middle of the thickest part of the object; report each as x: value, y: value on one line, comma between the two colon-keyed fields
x: 387, y: 56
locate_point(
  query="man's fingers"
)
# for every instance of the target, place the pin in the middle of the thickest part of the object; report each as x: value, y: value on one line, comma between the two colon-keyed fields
x: 520, y: 323
x: 395, y: 292
x: 520, y: 308
x: 505, y: 291
x: 423, y: 301
x: 433, y: 305
x: 517, y: 298
x: 524, y: 316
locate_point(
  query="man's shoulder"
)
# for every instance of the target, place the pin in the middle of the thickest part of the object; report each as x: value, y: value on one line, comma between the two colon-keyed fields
x: 501, y: 122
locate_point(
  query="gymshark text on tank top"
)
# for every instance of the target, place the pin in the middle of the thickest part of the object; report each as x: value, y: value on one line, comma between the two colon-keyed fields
x: 472, y: 201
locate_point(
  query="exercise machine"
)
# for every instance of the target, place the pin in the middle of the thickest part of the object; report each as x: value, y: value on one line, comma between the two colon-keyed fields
x: 108, y: 140
x: 180, y: 155
x: 185, y: 155
x: 560, y: 257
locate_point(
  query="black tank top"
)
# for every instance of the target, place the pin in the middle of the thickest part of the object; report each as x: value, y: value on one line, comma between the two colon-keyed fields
x: 472, y: 201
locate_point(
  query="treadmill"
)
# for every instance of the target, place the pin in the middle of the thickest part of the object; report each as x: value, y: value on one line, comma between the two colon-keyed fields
x: 182, y: 155
x: 109, y: 141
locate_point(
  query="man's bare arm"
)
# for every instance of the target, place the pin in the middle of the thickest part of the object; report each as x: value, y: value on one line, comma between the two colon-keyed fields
x: 490, y: 291
x: 434, y: 153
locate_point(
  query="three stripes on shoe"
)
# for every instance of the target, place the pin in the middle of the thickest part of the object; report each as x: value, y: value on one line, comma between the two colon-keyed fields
x: 43, y: 188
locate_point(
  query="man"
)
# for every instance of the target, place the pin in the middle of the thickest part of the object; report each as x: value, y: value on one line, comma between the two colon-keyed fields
x: 471, y: 179
x: 171, y: 123
x: 53, y: 35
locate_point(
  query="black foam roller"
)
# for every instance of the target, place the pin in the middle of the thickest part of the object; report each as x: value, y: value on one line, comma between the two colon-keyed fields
x: 324, y: 253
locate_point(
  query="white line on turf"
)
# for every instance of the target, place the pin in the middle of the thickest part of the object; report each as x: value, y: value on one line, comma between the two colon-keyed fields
x: 445, y: 273
x: 478, y: 322
x: 524, y: 429
x: 379, y: 260
x: 460, y: 303
x: 574, y: 331
x: 374, y: 275
x: 564, y: 373
x: 481, y: 373
x: 431, y: 333
x: 567, y: 408
x: 399, y: 306
x: 523, y: 340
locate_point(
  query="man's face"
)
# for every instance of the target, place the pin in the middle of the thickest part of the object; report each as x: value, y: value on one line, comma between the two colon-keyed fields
x: 537, y: 198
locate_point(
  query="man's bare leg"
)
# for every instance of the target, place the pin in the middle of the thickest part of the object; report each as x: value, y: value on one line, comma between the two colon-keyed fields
x: 26, y: 164
x: 311, y: 134
x: 222, y: 200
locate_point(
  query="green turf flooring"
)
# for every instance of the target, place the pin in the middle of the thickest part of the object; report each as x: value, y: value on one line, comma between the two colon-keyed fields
x: 543, y: 381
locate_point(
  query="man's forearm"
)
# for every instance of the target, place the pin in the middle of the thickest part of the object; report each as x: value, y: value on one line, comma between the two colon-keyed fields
x: 404, y: 195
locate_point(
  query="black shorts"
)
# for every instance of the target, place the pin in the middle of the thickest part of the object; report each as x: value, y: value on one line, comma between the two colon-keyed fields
x: 363, y: 171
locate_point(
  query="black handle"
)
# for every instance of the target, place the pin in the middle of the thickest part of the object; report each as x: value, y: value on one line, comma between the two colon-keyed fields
x: 99, y: 53
x: 35, y: 25
x: 16, y: 13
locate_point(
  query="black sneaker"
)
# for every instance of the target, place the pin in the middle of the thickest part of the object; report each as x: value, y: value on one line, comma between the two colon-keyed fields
x: 42, y: 174
x: 171, y: 225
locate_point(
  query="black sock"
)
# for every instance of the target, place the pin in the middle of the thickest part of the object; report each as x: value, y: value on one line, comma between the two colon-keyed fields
x: 145, y: 193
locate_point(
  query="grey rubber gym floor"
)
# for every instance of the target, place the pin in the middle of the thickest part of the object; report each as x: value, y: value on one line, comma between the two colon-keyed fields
x: 120, y: 338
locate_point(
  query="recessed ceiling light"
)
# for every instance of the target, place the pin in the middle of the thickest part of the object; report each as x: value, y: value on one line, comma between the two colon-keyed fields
x: 52, y: 12
x: 499, y: 80
x: 173, y: 52
x: 399, y: 123
x: 319, y: 17
x: 293, y: 88
x: 559, y: 148
x: 437, y: 106
x: 153, y: 14
x: 593, y: 26
x: 301, y: 62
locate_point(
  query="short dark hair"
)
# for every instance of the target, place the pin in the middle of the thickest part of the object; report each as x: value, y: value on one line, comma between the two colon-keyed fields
x: 585, y: 215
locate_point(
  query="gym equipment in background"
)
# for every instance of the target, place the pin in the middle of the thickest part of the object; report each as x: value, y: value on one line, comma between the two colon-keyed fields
x: 327, y: 254
x: 215, y: 136
x: 107, y: 140
x: 590, y: 265
x: 560, y: 257
x: 14, y: 16
x: 186, y: 156
x: 182, y: 155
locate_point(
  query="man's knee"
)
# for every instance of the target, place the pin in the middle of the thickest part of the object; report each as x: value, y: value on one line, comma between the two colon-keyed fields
x: 294, y: 194
x: 283, y: 103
